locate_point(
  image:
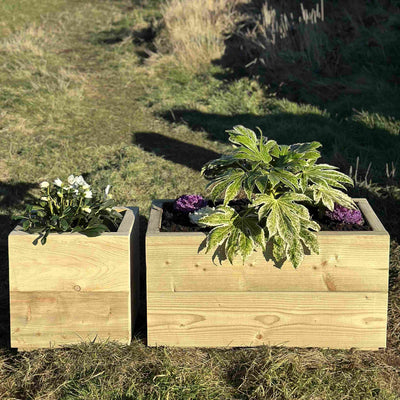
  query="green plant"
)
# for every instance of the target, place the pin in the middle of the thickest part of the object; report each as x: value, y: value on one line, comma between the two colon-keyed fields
x: 70, y: 207
x: 278, y: 181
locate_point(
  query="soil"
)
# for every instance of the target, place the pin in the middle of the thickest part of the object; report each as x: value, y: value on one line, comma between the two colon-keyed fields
x: 177, y: 221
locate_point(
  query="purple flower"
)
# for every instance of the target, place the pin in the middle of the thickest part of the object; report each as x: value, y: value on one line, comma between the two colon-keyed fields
x: 345, y: 215
x: 189, y: 203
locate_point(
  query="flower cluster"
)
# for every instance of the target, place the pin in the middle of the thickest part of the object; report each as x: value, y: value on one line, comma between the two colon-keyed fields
x: 345, y: 215
x: 70, y: 206
x: 189, y: 203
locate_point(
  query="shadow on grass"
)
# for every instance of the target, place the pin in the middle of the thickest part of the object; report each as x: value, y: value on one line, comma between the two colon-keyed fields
x: 186, y: 154
x: 346, y: 139
x: 12, y: 195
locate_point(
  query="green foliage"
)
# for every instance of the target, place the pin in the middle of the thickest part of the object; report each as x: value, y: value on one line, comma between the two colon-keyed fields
x: 69, y: 207
x: 278, y: 181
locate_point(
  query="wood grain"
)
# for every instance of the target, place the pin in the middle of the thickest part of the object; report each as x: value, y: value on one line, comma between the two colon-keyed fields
x: 348, y: 261
x: 66, y: 262
x: 48, y: 319
x: 210, y: 319
x: 344, y: 264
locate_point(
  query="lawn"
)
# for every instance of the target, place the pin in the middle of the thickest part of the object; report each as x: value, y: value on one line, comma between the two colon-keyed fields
x: 95, y: 88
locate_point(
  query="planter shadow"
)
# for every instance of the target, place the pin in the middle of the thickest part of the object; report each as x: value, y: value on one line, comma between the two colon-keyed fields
x: 186, y: 154
x: 12, y: 195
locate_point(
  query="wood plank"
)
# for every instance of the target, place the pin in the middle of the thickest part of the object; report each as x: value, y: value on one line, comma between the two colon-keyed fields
x: 70, y: 263
x: 370, y: 215
x: 46, y: 319
x: 135, y: 269
x: 213, y: 319
x: 359, y: 263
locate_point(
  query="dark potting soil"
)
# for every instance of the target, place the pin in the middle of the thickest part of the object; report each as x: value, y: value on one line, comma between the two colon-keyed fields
x: 177, y: 221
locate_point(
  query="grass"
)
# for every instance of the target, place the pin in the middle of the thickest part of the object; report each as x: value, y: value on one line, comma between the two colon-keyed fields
x: 194, y: 30
x: 80, y: 94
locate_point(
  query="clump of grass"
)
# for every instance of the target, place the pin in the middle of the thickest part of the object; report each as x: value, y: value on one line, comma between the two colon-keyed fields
x: 194, y: 30
x: 278, y: 34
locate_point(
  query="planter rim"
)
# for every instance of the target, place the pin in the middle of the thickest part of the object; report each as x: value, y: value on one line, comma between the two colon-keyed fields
x: 124, y: 228
x: 153, y: 228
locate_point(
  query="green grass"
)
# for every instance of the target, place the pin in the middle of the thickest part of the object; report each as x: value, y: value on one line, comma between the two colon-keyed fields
x: 78, y: 95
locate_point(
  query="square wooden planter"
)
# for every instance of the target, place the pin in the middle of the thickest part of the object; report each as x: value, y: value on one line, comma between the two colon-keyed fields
x: 74, y: 288
x: 337, y: 299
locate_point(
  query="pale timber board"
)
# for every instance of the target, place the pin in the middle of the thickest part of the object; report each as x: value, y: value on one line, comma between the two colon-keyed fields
x: 215, y: 319
x: 72, y: 261
x: 135, y: 270
x: 355, y: 262
x: 360, y: 264
x: 46, y: 319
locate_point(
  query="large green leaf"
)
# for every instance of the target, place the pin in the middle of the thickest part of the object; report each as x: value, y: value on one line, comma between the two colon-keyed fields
x: 236, y: 234
x: 223, y: 215
x: 295, y: 252
x: 328, y: 196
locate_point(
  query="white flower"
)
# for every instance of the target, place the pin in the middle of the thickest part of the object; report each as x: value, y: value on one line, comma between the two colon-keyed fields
x: 106, y: 192
x: 71, y: 179
x: 58, y: 182
x: 85, y: 186
x: 87, y: 210
x: 88, y: 194
x: 44, y: 185
x: 44, y: 198
x: 80, y: 181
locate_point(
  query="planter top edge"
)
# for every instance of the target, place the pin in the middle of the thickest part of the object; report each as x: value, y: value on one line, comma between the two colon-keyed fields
x: 153, y: 228
x: 124, y: 229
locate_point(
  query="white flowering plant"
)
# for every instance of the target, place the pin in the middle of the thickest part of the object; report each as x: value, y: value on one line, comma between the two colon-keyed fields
x: 70, y: 206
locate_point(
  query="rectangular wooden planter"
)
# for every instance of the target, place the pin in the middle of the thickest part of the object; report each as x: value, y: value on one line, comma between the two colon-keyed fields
x: 337, y: 299
x: 74, y: 288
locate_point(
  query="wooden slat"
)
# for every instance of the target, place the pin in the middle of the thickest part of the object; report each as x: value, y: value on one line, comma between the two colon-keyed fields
x: 210, y: 319
x: 44, y: 319
x: 359, y: 263
x: 370, y: 215
x: 135, y: 269
x: 348, y: 261
x: 70, y: 263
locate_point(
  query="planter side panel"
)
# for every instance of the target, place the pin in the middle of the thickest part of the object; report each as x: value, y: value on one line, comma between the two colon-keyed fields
x: 69, y: 263
x: 47, y: 319
x: 333, y: 320
x: 356, y: 262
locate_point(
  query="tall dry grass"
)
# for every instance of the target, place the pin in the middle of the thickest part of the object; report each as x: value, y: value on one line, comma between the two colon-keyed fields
x: 275, y: 32
x: 195, y: 30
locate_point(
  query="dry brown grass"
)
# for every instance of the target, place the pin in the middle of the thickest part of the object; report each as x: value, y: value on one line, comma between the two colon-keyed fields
x: 195, y: 30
